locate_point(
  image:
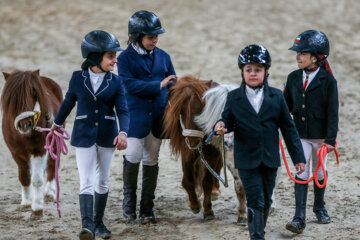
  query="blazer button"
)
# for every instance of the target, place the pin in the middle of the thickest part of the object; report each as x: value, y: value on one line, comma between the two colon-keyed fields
x: 149, y: 75
x: 150, y: 114
x: 96, y: 124
x: 303, y: 106
x: 96, y: 111
x: 303, y: 95
x: 94, y: 98
x: 303, y: 118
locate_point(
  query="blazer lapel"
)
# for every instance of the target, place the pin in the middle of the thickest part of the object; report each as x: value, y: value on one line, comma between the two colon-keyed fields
x: 139, y: 59
x: 266, y: 102
x: 105, y: 83
x: 315, y: 82
x: 299, y: 81
x: 244, y: 101
x: 87, y: 82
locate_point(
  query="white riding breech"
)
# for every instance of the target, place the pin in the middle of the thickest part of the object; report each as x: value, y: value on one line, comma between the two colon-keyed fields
x: 94, y: 165
x: 143, y: 149
x: 310, y: 147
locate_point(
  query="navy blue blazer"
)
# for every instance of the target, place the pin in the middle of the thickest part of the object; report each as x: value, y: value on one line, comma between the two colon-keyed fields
x: 95, y: 120
x: 145, y: 99
x: 316, y: 110
x: 256, y: 135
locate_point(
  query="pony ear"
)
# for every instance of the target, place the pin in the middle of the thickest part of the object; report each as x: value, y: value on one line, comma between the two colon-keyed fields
x: 6, y: 75
x: 37, y: 72
x: 209, y: 83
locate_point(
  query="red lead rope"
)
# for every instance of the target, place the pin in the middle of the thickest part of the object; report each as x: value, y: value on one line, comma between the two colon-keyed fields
x: 322, y: 152
x: 61, y: 147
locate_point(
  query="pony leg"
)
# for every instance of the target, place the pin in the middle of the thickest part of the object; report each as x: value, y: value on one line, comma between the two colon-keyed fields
x: 188, y: 183
x: 239, y: 189
x: 215, y: 192
x: 38, y: 165
x: 24, y: 178
x: 273, y: 199
x: 208, y: 184
x: 50, y: 188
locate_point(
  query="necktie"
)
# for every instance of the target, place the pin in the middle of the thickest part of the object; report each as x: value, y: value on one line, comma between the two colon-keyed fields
x: 306, y: 81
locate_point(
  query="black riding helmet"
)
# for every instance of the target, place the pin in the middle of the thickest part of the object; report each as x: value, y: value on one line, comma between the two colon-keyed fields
x: 145, y: 22
x: 94, y: 45
x: 254, y: 53
x: 312, y: 41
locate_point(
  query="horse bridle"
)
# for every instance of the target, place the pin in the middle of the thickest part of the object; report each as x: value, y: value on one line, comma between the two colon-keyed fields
x: 191, y: 133
x: 35, y: 114
x: 197, y: 133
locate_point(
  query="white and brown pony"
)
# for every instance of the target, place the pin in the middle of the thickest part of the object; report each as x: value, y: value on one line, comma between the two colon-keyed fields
x: 29, y: 101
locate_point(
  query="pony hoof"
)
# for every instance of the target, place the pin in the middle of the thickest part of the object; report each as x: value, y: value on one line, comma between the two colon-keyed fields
x: 195, y: 209
x: 50, y: 198
x: 25, y: 206
x: 37, y: 212
x: 209, y: 216
x: 241, y: 221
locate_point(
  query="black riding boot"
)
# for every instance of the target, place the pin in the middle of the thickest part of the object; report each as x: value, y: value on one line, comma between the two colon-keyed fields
x: 266, y: 215
x: 100, y: 204
x: 319, y: 204
x: 298, y: 224
x: 256, y: 224
x: 149, y: 180
x: 86, y: 211
x: 130, y: 177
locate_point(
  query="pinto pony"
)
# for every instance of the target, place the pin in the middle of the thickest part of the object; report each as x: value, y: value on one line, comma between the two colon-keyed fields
x: 185, y: 137
x: 28, y: 101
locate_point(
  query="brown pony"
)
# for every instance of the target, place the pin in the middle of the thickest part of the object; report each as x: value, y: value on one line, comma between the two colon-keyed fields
x: 24, y: 96
x: 185, y: 103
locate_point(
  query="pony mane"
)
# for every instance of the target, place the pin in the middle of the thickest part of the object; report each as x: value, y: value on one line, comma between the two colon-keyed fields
x: 20, y: 86
x: 215, y: 99
x: 186, y: 88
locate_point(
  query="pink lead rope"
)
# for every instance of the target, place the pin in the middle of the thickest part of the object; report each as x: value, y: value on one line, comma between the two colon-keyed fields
x: 59, y: 140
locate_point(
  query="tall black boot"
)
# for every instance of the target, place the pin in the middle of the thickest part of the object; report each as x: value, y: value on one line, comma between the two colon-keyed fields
x: 298, y: 224
x: 130, y: 177
x: 86, y: 210
x: 319, y: 204
x: 256, y: 224
x: 100, y: 204
x: 149, y: 180
x: 266, y: 215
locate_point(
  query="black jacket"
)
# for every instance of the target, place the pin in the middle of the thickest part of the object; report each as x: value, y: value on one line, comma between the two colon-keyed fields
x: 256, y: 135
x: 315, y: 110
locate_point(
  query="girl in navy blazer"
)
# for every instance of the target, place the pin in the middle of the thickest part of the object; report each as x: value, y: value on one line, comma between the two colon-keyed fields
x: 148, y: 73
x: 95, y: 135
x: 255, y: 112
x: 312, y: 97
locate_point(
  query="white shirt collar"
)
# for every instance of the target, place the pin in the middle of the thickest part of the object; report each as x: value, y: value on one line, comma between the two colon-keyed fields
x: 255, y: 97
x: 139, y: 50
x: 96, y: 79
x: 311, y: 76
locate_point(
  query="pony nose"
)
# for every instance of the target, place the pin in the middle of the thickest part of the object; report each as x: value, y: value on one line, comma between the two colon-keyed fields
x: 25, y: 126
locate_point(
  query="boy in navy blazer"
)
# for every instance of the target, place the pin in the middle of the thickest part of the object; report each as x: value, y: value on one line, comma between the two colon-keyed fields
x: 255, y: 112
x: 95, y: 135
x: 312, y: 97
x: 148, y: 73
